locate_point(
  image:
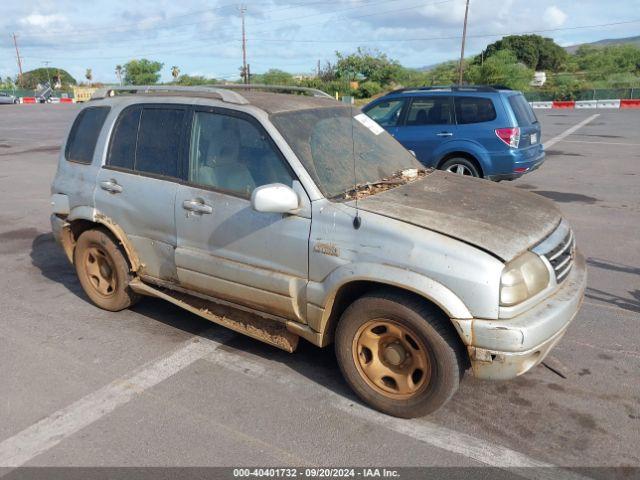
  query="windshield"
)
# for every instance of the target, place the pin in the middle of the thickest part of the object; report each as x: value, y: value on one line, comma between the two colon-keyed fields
x: 322, y: 140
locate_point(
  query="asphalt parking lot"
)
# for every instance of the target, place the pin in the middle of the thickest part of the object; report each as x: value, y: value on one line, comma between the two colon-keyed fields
x: 227, y: 400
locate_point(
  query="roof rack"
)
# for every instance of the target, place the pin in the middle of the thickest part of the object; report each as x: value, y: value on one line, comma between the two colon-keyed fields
x: 454, y: 88
x: 314, y: 92
x: 226, y: 95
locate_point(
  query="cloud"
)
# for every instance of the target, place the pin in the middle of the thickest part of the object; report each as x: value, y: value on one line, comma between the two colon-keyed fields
x: 42, y: 21
x: 554, y: 17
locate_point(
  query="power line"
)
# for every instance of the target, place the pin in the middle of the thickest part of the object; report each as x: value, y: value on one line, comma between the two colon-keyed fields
x: 198, y: 47
x: 451, y: 37
x: 120, y: 29
x: 271, y: 22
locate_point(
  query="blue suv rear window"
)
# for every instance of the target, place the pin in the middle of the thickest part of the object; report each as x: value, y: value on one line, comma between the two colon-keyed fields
x: 474, y: 110
x: 522, y: 110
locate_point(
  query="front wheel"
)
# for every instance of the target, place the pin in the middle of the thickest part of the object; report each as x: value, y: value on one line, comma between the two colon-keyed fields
x: 398, y: 354
x: 460, y: 166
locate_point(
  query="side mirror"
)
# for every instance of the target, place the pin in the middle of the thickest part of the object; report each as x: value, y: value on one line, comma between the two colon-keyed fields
x: 275, y: 198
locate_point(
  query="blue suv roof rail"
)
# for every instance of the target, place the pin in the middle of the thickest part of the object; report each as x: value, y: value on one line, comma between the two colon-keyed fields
x: 454, y: 88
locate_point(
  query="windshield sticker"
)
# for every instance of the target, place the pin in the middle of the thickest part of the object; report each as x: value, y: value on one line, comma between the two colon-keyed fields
x: 370, y: 124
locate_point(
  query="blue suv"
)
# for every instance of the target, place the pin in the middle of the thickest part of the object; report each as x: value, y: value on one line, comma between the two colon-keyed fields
x: 476, y: 131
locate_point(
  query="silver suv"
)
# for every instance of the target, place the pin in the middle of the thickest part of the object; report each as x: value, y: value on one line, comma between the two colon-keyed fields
x: 284, y: 216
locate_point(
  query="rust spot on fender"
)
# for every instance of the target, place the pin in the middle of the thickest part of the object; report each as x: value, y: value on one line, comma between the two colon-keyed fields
x: 119, y: 233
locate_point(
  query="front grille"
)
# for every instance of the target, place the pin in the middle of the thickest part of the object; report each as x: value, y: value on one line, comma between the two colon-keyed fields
x: 561, y: 258
x: 559, y: 249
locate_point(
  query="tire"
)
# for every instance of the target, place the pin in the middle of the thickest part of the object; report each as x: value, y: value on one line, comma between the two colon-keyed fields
x: 103, y: 271
x: 429, y: 335
x: 461, y: 166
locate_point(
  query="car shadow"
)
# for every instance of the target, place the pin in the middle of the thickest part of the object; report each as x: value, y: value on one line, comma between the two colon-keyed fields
x: 316, y: 364
x: 631, y: 304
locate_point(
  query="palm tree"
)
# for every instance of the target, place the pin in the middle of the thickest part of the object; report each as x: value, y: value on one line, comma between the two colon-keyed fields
x: 89, y: 75
x: 175, y: 72
x: 119, y: 73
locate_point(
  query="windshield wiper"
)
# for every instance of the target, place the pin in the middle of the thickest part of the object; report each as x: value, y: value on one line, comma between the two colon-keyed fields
x: 370, y: 188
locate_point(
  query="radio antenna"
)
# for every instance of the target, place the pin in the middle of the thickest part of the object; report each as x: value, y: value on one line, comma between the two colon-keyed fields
x: 357, y: 221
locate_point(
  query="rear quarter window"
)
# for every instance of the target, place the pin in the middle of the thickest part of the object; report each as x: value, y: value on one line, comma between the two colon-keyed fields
x: 474, y: 110
x: 84, y: 134
x: 522, y: 110
x: 122, y: 152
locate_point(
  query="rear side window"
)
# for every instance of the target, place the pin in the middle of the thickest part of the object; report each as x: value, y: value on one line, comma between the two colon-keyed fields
x: 84, y: 134
x: 386, y: 113
x: 122, y: 152
x: 158, y: 145
x: 429, y: 111
x: 522, y: 110
x: 474, y: 110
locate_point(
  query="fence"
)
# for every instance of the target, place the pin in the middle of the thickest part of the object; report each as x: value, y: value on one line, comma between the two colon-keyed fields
x: 25, y: 92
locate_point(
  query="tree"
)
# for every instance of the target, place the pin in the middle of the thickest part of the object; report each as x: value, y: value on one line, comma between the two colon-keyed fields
x: 367, y: 65
x: 88, y: 74
x: 536, y: 52
x: 119, y: 73
x: 32, y: 78
x: 175, y: 72
x: 600, y: 63
x: 501, y: 68
x: 142, y: 72
x: 189, y: 80
x: 273, y: 76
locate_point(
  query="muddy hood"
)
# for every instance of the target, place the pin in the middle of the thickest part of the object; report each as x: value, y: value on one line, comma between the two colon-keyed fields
x: 498, y: 218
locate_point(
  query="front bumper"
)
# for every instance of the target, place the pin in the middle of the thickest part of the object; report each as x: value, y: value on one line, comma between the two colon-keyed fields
x: 504, y: 349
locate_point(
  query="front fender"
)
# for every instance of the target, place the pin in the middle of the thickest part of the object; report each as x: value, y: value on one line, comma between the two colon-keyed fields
x: 321, y: 295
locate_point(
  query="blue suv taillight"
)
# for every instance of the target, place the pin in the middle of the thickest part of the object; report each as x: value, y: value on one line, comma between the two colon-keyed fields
x: 510, y: 136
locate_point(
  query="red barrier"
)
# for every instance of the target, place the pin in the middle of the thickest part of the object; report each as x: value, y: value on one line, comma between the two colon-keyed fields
x: 66, y: 100
x: 630, y: 103
x: 29, y: 100
x: 564, y: 104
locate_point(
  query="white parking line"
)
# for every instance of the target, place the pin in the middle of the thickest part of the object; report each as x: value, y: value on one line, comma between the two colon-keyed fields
x: 605, y: 143
x: 424, y: 431
x: 47, y: 433
x: 569, y: 131
x: 50, y: 431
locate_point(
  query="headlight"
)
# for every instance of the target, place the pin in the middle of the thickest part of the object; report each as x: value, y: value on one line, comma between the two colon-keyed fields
x: 522, y: 278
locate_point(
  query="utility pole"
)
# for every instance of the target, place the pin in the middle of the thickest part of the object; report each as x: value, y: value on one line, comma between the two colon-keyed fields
x: 318, y: 69
x: 245, y: 75
x: 46, y: 64
x: 464, y: 37
x: 15, y: 43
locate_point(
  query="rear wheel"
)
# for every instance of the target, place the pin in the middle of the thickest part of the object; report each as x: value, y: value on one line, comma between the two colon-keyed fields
x: 460, y: 166
x: 103, y: 271
x: 398, y: 354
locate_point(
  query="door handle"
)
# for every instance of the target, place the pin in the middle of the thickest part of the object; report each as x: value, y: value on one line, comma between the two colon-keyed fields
x: 111, y: 186
x: 444, y: 134
x: 197, y: 206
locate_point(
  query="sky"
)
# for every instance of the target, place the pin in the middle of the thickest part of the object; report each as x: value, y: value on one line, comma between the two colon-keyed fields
x: 203, y: 37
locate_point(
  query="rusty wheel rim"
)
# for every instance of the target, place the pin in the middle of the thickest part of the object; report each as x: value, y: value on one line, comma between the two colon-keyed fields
x: 391, y: 358
x: 100, y: 271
